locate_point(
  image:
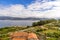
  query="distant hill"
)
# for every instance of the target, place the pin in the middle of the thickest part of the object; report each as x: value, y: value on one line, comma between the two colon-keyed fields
x: 18, y: 18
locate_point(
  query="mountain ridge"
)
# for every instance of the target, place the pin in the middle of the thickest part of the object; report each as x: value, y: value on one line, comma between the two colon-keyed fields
x: 19, y: 18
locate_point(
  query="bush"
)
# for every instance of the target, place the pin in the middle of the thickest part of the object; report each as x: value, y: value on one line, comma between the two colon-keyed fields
x: 42, y: 22
x: 51, y: 39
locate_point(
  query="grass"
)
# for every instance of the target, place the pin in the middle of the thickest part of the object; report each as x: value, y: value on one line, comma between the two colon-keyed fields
x: 51, y: 31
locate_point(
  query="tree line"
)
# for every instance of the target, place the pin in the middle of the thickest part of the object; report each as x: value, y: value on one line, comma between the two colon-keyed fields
x: 42, y: 22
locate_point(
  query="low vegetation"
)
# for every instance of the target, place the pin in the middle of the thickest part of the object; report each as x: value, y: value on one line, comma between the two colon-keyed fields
x: 45, y: 29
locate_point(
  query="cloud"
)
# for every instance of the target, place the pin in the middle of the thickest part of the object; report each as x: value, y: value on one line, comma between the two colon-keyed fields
x: 45, y: 10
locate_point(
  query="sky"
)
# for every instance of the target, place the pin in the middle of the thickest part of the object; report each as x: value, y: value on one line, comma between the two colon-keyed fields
x: 30, y: 8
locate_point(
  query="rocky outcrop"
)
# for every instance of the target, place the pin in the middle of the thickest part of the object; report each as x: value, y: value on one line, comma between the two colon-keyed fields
x: 23, y: 36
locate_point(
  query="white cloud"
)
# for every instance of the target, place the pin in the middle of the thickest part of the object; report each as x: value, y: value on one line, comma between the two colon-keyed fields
x: 33, y: 10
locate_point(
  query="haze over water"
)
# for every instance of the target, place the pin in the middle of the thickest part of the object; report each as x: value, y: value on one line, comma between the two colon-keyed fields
x: 5, y: 23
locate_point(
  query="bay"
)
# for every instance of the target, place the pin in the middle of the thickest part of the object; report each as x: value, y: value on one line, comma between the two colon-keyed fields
x: 5, y: 23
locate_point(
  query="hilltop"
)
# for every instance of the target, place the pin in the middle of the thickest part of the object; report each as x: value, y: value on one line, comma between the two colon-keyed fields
x: 45, y: 30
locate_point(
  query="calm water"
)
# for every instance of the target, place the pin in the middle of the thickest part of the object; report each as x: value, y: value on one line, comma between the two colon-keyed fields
x: 4, y: 23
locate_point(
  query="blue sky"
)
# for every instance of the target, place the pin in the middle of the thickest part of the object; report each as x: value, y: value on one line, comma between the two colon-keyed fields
x: 30, y: 8
x: 23, y: 2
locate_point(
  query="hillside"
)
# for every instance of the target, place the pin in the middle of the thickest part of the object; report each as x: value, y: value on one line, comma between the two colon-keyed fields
x: 45, y: 31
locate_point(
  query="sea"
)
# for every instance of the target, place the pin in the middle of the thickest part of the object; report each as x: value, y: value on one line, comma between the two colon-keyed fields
x: 8, y: 23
